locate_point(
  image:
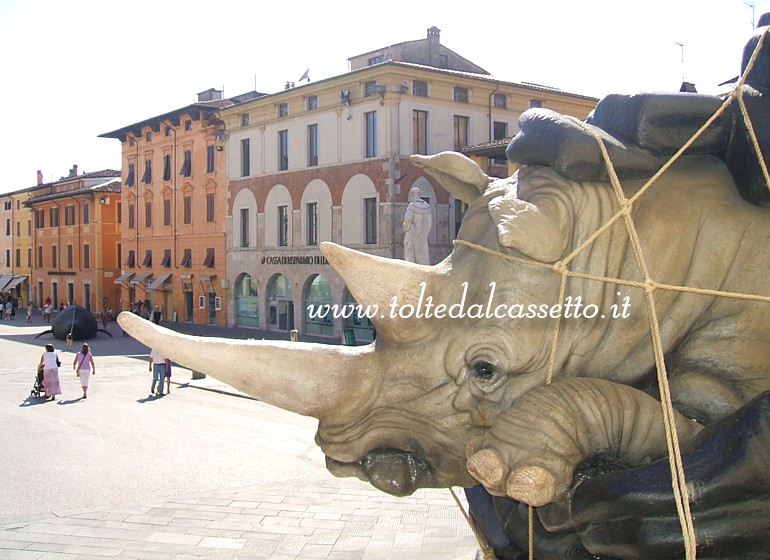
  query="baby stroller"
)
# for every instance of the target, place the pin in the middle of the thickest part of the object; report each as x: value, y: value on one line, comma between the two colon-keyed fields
x: 38, y: 389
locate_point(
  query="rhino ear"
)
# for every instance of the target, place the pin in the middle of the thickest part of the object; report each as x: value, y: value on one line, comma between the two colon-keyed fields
x: 457, y: 173
x: 535, y: 231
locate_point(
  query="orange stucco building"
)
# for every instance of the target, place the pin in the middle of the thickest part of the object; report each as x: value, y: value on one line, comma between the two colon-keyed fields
x: 172, y: 248
x: 75, y: 236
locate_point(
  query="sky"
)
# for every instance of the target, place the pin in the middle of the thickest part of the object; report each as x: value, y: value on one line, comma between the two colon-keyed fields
x: 72, y: 70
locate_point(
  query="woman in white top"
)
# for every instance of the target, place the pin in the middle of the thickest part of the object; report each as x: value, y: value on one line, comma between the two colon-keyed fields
x: 50, y: 363
x: 84, y: 367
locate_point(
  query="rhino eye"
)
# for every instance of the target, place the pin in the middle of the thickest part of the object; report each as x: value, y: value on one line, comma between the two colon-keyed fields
x: 484, y: 370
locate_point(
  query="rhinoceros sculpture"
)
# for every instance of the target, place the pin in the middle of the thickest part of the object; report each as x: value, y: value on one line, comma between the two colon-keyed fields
x: 453, y: 390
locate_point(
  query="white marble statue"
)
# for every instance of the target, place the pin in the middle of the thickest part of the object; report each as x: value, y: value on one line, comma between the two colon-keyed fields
x: 417, y: 224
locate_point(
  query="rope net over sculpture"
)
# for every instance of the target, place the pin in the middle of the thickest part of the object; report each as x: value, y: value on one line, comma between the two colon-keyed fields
x: 649, y: 286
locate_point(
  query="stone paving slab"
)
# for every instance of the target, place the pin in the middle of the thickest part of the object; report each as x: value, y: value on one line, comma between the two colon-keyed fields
x: 337, y: 519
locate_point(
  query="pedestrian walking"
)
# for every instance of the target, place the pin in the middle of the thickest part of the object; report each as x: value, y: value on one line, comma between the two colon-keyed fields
x: 84, y: 367
x: 168, y: 376
x: 50, y: 363
x: 29, y: 312
x: 68, y: 338
x: 47, y: 310
x: 157, y: 315
x: 158, y: 364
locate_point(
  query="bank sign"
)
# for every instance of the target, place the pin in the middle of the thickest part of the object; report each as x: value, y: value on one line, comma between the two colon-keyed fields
x: 306, y: 259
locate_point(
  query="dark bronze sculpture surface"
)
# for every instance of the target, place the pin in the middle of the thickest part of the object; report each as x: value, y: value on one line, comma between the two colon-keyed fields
x: 77, y: 321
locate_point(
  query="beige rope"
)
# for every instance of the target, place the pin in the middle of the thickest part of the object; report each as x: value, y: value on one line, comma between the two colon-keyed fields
x: 679, y: 483
x: 486, y: 550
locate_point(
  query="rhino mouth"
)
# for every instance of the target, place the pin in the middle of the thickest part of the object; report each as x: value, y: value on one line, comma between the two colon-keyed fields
x: 393, y: 471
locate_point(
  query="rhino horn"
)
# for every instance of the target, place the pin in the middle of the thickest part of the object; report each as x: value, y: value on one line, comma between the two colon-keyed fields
x: 457, y: 173
x: 307, y: 379
x: 375, y: 281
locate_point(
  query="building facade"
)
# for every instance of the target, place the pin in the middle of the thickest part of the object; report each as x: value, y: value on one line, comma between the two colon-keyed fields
x: 329, y: 161
x: 75, y: 231
x: 172, y: 246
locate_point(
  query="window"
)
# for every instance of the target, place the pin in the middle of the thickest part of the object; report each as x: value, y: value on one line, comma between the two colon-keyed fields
x: 460, y: 209
x: 370, y: 88
x: 443, y: 61
x: 500, y: 101
x: 245, y: 119
x: 119, y: 213
x: 420, y: 88
x: 461, y: 132
x: 54, y: 255
x: 245, y: 158
x: 148, y: 137
x: 167, y: 212
x: 147, y: 262
x: 312, y: 223
x: 18, y: 257
x: 186, y: 170
x: 131, y: 174
x: 500, y: 130
x: 131, y: 217
x: 7, y: 258
x: 283, y: 150
x: 210, y: 158
x: 69, y: 215
x: 283, y: 226
x: 8, y: 226
x: 39, y: 219
x: 312, y: 102
x: 18, y: 229
x: 166, y: 262
x: 69, y: 256
x: 188, y: 125
x: 283, y: 109
x: 86, y: 213
x: 244, y: 227
x: 186, y: 259
x: 148, y: 214
x: 210, y: 207
x: 370, y: 220
x: 374, y: 60
x: 120, y: 253
x: 40, y: 256
x: 168, y: 131
x: 461, y: 94
x: 29, y: 257
x: 312, y: 145
x: 131, y: 260
x: 420, y: 132
x: 536, y: 103
x: 371, y: 133
x: 166, y: 167
x: 147, y: 177
x: 54, y: 216
x: 86, y: 256
x: 187, y: 203
x: 29, y: 228
x: 208, y: 262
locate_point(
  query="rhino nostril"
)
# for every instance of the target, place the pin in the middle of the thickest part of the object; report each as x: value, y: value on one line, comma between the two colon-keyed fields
x: 396, y: 472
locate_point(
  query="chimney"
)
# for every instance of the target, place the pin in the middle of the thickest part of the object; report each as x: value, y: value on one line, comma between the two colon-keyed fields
x: 74, y: 171
x: 39, y: 177
x: 210, y: 95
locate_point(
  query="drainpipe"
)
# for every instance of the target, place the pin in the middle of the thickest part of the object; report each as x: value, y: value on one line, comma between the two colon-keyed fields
x: 489, y: 114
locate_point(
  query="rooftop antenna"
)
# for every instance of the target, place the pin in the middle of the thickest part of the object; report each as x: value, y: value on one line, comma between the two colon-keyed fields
x: 681, y: 46
x: 752, y: 14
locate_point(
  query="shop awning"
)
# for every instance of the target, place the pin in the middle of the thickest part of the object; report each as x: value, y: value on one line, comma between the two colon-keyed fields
x: 123, y: 277
x: 4, y: 280
x: 140, y: 278
x: 159, y: 281
x: 15, y: 282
